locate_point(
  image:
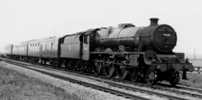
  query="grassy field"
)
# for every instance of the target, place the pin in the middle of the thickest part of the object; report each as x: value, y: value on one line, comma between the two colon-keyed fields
x: 16, y: 86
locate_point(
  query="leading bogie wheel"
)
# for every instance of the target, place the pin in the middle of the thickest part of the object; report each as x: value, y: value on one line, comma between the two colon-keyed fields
x: 135, y: 75
x: 151, y: 78
x: 175, y: 78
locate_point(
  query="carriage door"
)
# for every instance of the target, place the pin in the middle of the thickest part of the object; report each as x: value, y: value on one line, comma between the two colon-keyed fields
x: 86, y: 46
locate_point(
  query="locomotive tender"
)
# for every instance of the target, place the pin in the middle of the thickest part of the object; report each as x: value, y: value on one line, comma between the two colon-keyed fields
x: 123, y: 52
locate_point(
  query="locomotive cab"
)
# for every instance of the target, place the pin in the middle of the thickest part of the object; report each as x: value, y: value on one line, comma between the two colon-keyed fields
x: 85, y: 46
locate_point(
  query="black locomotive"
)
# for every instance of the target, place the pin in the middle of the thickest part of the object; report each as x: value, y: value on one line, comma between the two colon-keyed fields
x: 123, y: 52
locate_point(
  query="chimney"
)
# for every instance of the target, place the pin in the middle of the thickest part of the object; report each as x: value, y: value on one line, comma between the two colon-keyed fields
x: 153, y: 21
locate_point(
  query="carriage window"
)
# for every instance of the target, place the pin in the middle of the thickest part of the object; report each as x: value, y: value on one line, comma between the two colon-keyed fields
x: 51, y: 45
x: 85, y: 40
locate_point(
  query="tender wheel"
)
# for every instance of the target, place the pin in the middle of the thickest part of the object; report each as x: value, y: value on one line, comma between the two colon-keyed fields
x: 63, y: 65
x: 124, y: 74
x: 98, y: 66
x: 111, y: 71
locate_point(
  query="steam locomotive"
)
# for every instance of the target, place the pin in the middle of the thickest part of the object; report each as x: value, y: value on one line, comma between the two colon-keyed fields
x: 126, y: 52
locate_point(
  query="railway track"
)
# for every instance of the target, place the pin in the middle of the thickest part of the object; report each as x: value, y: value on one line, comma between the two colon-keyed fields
x: 190, y: 88
x: 178, y: 93
x: 112, y: 91
x: 162, y: 93
x: 181, y: 90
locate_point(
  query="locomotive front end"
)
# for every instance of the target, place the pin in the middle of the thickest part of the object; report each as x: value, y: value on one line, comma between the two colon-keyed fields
x: 160, y: 61
x: 164, y: 39
x: 168, y: 63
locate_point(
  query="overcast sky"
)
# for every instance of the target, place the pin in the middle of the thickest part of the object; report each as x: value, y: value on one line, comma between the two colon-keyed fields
x: 22, y: 20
